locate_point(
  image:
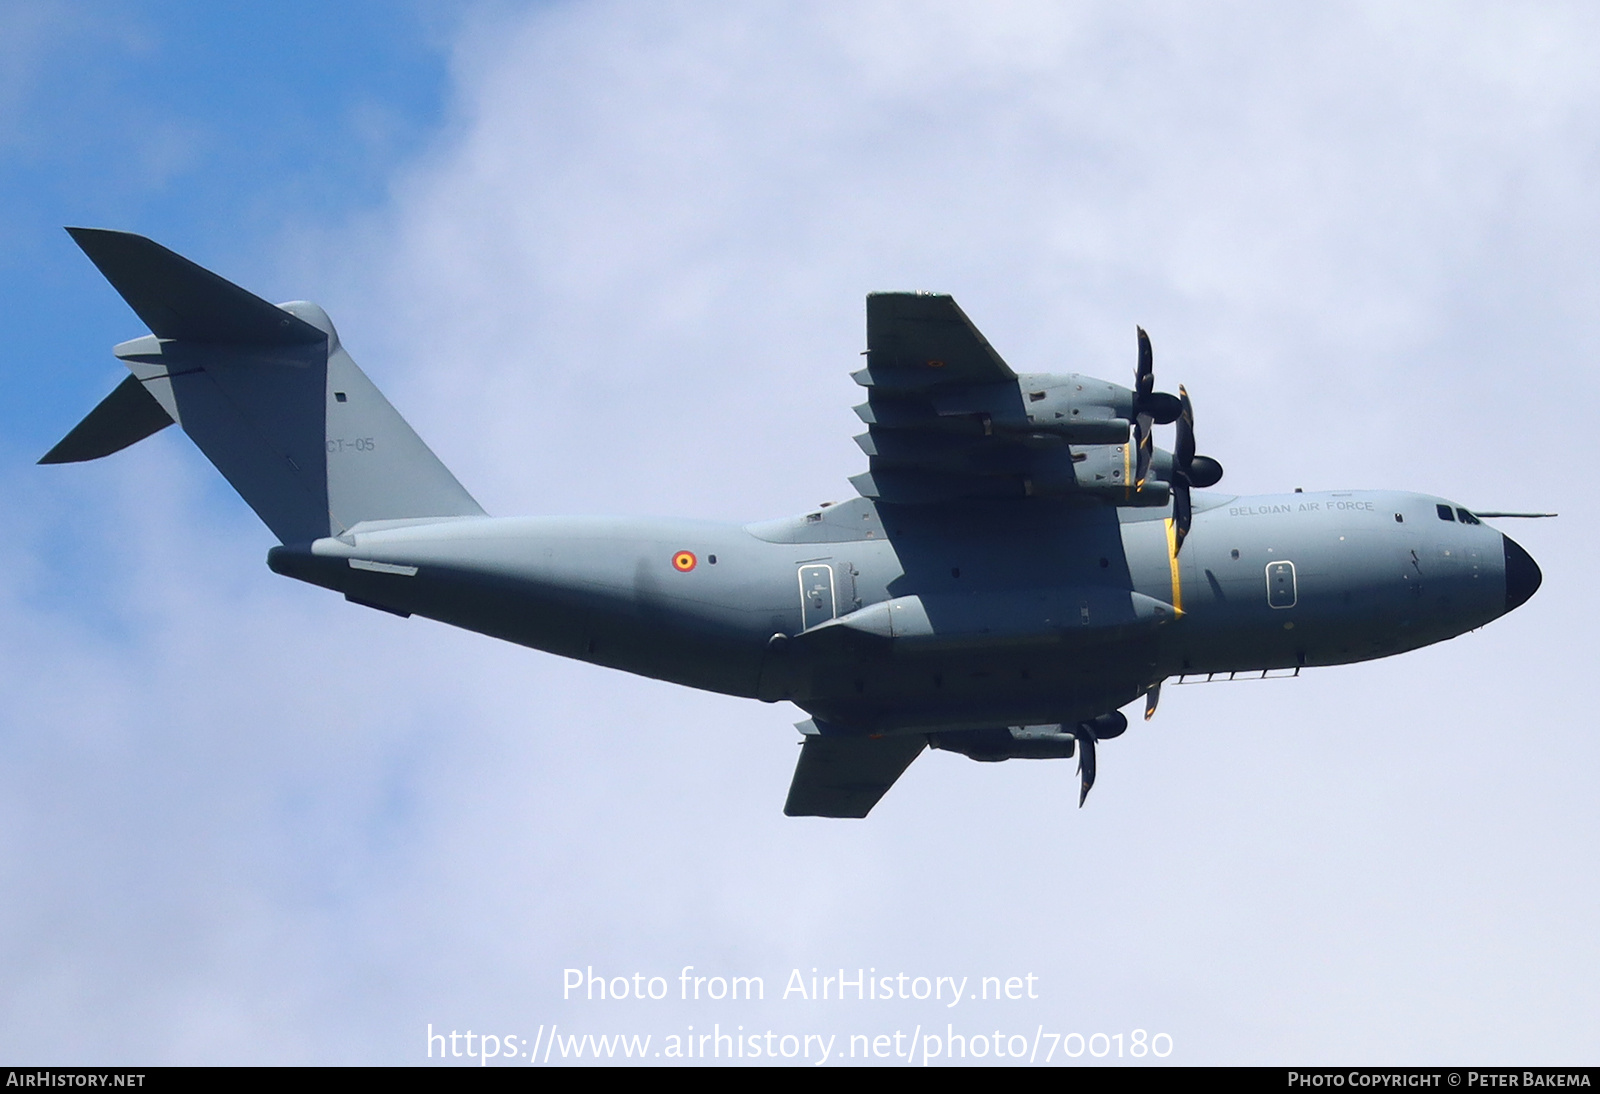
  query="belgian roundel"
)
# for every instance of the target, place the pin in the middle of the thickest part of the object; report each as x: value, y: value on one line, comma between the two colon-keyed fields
x: 684, y: 561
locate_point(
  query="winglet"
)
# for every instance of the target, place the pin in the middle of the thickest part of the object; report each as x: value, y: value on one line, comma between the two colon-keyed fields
x: 178, y: 299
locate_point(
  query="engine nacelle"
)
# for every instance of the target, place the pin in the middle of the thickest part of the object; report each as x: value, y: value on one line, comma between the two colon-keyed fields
x: 1077, y: 409
x: 1013, y: 743
x: 1049, y: 742
x: 1105, y: 471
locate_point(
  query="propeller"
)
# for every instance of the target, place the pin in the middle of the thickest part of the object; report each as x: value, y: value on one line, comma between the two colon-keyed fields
x: 1151, y: 698
x: 1150, y: 407
x: 1106, y: 726
x: 1188, y: 470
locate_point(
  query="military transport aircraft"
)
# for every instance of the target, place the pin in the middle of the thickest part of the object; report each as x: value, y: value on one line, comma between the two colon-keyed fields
x: 1021, y: 561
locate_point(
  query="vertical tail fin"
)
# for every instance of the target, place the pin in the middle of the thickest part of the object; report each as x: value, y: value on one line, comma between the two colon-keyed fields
x: 266, y: 392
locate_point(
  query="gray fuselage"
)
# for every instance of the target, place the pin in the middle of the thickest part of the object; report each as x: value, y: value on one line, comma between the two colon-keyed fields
x: 885, y: 618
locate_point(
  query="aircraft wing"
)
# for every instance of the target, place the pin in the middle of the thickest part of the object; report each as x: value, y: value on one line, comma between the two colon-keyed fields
x: 844, y: 776
x: 948, y: 419
x: 921, y: 340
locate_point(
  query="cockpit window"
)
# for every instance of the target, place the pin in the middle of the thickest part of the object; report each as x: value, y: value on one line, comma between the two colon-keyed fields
x: 1445, y: 513
x: 1467, y: 518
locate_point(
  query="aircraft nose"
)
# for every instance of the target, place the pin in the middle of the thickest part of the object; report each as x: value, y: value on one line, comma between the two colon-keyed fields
x: 1522, y: 574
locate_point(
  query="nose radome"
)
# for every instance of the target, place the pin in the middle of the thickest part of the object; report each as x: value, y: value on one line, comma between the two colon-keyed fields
x: 1522, y: 574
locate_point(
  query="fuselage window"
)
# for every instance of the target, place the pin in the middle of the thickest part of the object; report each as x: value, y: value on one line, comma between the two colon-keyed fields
x: 1445, y: 513
x: 1467, y: 518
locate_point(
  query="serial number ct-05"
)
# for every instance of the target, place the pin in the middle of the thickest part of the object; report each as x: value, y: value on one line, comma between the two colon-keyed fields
x: 1021, y: 561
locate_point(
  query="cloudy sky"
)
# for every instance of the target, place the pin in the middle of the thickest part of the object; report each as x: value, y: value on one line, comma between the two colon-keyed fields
x: 610, y: 258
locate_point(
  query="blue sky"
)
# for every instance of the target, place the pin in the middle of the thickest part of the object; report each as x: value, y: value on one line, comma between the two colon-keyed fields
x: 202, y: 126
x: 611, y: 259
x: 209, y: 129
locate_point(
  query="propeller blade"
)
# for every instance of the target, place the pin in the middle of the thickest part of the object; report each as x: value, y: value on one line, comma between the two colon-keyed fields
x: 1182, y: 466
x: 1144, y: 382
x: 1151, y: 698
x: 1146, y: 449
x: 1182, y: 512
x: 1144, y: 377
x: 1183, y: 451
x: 1085, y: 737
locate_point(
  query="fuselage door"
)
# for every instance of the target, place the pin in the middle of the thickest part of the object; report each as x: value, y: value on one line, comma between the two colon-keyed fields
x: 1281, y: 590
x: 817, y: 601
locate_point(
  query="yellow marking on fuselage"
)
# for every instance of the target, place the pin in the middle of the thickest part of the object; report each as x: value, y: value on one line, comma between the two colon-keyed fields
x: 1172, y: 559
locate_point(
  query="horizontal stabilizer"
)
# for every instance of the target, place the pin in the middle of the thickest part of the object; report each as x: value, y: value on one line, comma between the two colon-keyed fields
x: 845, y: 776
x: 126, y: 416
x: 178, y: 299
